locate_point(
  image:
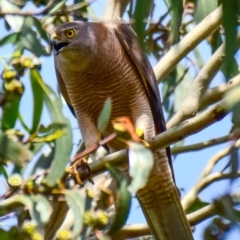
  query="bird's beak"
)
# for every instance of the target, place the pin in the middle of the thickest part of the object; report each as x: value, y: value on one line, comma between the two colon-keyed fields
x: 57, y: 45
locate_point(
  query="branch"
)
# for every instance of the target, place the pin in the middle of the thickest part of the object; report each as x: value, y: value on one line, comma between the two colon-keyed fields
x: 191, y: 102
x: 175, y: 134
x: 206, y: 179
x: 201, y: 214
x: 215, y: 94
x: 48, y: 10
x: 217, y: 157
x: 138, y: 230
x: 188, y: 43
x: 189, y: 106
x: 114, y: 9
x: 199, y: 146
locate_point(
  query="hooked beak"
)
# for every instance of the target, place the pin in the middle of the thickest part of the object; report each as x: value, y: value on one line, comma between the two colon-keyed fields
x: 56, y: 44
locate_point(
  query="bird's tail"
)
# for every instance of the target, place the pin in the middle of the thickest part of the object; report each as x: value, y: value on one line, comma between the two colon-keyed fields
x: 161, y: 204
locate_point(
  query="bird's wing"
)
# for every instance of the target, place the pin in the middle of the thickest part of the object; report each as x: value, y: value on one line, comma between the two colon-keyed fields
x: 128, y: 39
x: 64, y: 90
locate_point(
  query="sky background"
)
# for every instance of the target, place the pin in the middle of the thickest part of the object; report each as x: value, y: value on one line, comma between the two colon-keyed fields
x: 187, y: 167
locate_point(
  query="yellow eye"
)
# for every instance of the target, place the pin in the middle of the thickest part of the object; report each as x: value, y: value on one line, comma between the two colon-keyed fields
x: 70, y: 33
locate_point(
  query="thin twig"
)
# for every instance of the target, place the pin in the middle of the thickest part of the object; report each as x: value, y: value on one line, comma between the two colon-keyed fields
x: 199, y: 146
x: 206, y: 178
x: 215, y: 94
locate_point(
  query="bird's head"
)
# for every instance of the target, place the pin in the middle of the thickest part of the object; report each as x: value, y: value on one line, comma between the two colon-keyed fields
x: 66, y: 37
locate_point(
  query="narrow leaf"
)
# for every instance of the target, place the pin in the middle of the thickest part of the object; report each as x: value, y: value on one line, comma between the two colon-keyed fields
x: 76, y: 202
x: 10, y: 109
x: 123, y: 199
x: 230, y: 11
x: 14, y: 21
x: 104, y: 116
x: 41, y: 209
x: 37, y: 101
x: 142, y: 11
x: 140, y: 165
x: 11, y: 38
x: 63, y: 145
x: 204, y: 8
x: 13, y: 151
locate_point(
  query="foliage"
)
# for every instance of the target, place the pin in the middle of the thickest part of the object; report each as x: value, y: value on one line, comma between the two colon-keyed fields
x: 34, y: 156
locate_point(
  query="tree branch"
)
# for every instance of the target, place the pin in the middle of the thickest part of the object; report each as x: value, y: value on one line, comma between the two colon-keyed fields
x: 175, y: 134
x: 215, y: 94
x: 48, y: 8
x: 115, y: 9
x: 138, y: 230
x: 199, y: 146
x: 189, y: 42
x: 206, y: 179
x: 189, y: 106
x: 191, y: 102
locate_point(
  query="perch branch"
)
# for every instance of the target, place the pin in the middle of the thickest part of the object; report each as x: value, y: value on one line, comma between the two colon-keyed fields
x: 215, y: 94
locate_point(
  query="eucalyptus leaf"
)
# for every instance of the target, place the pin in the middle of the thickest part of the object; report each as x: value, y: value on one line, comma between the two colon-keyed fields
x: 123, y: 199
x: 41, y: 209
x: 204, y: 8
x: 44, y: 160
x: 196, y: 205
x: 14, y: 21
x: 63, y: 145
x: 37, y: 101
x: 104, y: 116
x: 177, y: 11
x: 11, y: 38
x: 140, y: 165
x: 230, y: 13
x: 3, y: 171
x: 13, y: 151
x: 10, y: 110
x: 142, y: 11
x: 76, y: 202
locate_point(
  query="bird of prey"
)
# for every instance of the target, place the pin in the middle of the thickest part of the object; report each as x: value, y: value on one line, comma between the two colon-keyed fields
x: 95, y: 61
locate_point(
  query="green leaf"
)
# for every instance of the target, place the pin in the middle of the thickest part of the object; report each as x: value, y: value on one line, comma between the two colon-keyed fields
x: 24, y: 125
x: 168, y: 87
x: 142, y: 11
x: 215, y: 40
x: 76, y: 202
x: 11, y: 38
x: 12, y: 234
x: 230, y: 11
x: 140, y: 165
x: 23, y: 200
x: 44, y: 161
x: 63, y: 145
x: 14, y: 21
x: 10, y: 110
x: 177, y: 11
x: 41, y: 209
x: 104, y: 116
x: 225, y: 207
x: 42, y: 33
x: 37, y: 100
x: 123, y: 199
x: 13, y: 151
x: 29, y: 38
x: 204, y: 8
x: 196, y: 205
x: 3, y: 171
